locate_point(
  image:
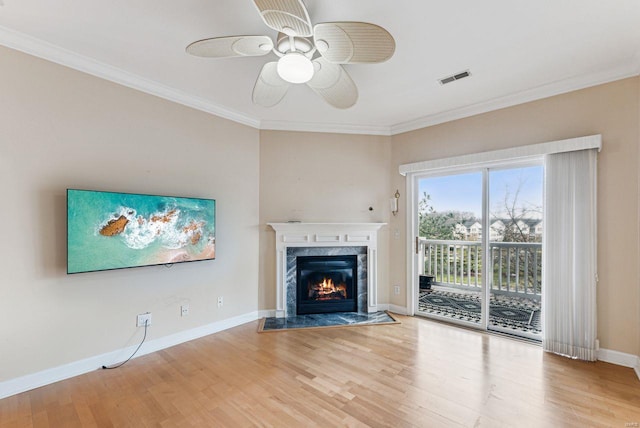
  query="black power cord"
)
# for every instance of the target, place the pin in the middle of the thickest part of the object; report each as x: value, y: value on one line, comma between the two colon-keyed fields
x: 146, y: 324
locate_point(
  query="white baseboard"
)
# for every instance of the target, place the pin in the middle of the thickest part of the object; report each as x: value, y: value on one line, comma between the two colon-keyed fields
x: 76, y: 368
x: 266, y: 313
x: 392, y: 308
x: 397, y: 309
x: 619, y: 358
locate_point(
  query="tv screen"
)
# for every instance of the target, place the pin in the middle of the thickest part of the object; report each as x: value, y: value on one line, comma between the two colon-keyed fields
x: 107, y: 230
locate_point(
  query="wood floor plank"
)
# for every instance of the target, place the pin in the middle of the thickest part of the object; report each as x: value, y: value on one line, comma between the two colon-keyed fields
x: 418, y: 373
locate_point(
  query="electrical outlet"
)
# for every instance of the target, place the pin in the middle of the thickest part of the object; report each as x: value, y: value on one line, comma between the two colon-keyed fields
x: 143, y: 318
x: 220, y: 301
x: 396, y: 289
x: 184, y: 310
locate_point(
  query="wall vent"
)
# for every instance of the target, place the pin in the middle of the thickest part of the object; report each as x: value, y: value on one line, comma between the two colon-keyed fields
x: 454, y: 77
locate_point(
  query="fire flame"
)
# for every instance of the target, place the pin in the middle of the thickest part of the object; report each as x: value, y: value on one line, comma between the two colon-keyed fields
x: 327, y: 289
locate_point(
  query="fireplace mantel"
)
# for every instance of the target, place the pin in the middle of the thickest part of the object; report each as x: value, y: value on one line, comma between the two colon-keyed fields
x: 326, y: 235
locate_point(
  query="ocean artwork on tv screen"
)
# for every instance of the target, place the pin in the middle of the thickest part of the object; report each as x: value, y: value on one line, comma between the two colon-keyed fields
x: 107, y: 230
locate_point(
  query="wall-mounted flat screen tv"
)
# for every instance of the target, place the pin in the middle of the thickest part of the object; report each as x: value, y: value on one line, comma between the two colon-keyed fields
x: 107, y: 230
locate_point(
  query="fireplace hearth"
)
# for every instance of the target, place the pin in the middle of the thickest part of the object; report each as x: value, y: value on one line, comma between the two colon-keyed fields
x: 326, y: 284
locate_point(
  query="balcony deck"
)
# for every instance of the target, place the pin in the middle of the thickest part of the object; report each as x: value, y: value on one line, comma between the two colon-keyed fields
x: 511, y: 314
x: 455, y: 268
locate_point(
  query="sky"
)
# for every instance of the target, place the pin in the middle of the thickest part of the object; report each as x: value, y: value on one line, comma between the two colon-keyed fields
x: 463, y: 192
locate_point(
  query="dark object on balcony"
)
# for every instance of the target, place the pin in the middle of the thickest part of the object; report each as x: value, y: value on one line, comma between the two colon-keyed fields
x: 425, y: 282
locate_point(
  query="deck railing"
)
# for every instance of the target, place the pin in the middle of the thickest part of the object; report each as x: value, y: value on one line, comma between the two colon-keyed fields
x: 516, y: 267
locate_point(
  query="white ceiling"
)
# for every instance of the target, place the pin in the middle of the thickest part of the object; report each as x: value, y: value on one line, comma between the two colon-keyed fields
x: 516, y: 51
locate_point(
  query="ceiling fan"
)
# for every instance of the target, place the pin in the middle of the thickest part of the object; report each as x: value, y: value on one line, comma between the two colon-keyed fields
x: 308, y: 54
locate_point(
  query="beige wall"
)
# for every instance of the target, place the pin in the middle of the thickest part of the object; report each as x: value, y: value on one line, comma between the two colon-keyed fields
x: 611, y: 110
x: 321, y: 178
x: 60, y: 128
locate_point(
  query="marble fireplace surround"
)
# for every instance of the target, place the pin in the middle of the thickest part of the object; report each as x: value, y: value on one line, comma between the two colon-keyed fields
x: 302, y: 239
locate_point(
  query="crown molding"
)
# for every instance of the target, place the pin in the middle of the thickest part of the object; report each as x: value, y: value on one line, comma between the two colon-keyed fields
x: 636, y: 61
x: 337, y: 128
x: 41, y: 49
x: 540, y: 92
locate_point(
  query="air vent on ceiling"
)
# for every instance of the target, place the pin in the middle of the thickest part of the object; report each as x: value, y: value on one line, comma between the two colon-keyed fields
x: 454, y: 77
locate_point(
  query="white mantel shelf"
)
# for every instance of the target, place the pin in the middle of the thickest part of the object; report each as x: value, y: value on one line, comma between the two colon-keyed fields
x: 326, y: 235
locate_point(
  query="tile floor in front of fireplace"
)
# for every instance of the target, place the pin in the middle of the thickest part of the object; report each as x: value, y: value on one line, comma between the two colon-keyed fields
x: 326, y: 320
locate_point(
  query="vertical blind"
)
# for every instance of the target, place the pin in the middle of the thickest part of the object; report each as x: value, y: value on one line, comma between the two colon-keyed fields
x: 570, y: 257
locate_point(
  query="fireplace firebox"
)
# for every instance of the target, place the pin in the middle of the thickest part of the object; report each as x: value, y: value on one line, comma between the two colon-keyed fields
x: 326, y: 284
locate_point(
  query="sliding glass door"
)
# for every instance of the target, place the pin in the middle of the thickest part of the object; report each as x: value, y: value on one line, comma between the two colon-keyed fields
x: 479, y: 248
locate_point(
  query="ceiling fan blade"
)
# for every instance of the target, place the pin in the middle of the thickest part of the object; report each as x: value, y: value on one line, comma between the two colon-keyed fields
x: 225, y: 47
x: 286, y: 16
x: 270, y: 88
x: 353, y: 42
x: 333, y: 83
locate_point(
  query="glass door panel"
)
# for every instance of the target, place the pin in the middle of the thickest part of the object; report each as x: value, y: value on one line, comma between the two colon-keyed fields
x: 450, y: 248
x: 515, y: 250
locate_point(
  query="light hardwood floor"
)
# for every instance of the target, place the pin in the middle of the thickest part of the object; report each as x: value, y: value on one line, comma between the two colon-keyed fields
x: 417, y: 373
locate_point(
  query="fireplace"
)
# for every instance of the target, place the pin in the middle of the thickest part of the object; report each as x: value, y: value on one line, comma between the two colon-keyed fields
x: 326, y: 284
x: 295, y: 240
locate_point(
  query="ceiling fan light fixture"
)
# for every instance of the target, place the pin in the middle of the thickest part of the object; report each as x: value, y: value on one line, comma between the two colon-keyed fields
x: 294, y: 67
